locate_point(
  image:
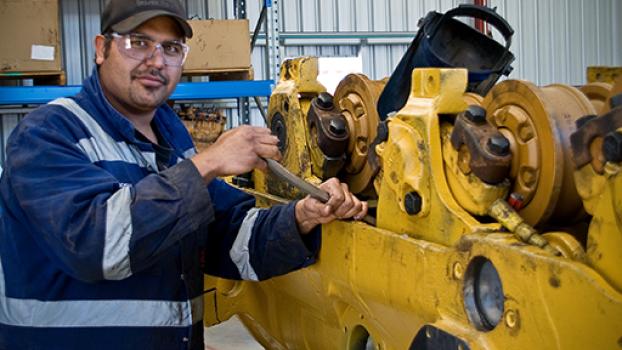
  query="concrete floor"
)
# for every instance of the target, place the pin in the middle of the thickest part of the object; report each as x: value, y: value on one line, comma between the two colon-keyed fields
x: 230, y: 335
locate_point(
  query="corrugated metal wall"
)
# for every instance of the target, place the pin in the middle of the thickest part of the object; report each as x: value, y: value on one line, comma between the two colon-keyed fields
x: 555, y: 40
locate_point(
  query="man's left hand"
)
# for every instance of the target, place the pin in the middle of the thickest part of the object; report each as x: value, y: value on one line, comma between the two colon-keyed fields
x: 342, y: 204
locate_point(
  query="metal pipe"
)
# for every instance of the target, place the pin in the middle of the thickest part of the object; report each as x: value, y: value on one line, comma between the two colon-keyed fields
x: 262, y: 18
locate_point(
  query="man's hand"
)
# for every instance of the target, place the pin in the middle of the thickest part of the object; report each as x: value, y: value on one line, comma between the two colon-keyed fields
x: 342, y: 205
x: 237, y: 151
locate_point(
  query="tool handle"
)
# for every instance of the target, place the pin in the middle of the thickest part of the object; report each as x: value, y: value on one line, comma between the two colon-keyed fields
x: 294, y: 180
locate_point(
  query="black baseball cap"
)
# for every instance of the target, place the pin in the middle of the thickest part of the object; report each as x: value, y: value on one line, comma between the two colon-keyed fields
x: 123, y: 16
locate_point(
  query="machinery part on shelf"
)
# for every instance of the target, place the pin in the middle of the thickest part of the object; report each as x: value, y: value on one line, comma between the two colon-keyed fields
x: 357, y: 96
x: 204, y: 124
x: 413, y: 194
x: 598, y: 94
x: 328, y: 136
x: 538, y: 123
x: 287, y: 111
x: 510, y: 219
x: 603, y: 74
x: 597, y: 149
x: 443, y: 41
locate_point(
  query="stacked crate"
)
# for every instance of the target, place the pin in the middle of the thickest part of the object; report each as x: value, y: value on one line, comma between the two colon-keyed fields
x: 30, y: 46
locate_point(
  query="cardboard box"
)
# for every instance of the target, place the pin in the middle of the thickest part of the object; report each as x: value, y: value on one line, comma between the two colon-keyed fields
x: 29, y: 36
x: 218, y: 45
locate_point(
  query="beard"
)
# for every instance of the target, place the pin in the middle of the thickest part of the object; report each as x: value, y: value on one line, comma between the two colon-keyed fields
x: 146, y: 96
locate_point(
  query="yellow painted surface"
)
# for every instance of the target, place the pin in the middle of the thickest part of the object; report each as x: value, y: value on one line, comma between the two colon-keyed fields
x: 409, y: 271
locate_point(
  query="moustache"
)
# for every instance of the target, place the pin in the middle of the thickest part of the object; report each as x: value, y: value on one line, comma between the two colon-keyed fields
x: 151, y: 72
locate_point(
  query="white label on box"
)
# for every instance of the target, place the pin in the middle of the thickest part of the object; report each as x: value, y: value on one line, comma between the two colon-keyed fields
x: 42, y: 52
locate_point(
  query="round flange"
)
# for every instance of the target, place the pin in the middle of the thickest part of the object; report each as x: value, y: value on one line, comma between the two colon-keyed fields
x: 472, y: 98
x: 356, y: 96
x: 598, y: 93
x: 538, y: 123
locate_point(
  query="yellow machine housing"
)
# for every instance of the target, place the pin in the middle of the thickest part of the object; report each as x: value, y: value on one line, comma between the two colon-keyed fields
x: 523, y: 257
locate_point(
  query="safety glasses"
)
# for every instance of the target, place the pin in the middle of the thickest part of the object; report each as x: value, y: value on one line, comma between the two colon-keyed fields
x: 141, y: 47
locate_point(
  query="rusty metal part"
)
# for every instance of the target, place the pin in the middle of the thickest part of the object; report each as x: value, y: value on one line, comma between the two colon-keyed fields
x: 356, y: 95
x: 328, y: 137
x: 538, y: 123
x: 598, y: 93
x: 487, y: 151
x: 473, y: 194
x: 587, y: 141
x: 510, y: 219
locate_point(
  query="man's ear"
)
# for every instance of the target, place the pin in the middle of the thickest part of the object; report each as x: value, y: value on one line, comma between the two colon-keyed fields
x: 100, y: 48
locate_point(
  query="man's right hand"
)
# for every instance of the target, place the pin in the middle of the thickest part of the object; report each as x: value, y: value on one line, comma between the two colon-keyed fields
x: 237, y: 151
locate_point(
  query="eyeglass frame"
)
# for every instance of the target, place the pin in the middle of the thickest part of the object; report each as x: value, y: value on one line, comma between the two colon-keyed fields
x: 156, y: 45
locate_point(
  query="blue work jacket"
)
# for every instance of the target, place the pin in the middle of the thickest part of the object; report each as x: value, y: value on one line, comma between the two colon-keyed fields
x: 101, y: 248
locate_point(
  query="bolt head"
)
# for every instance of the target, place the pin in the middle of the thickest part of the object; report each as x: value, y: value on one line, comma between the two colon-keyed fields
x: 338, y: 126
x: 498, y: 145
x: 475, y: 114
x: 612, y: 147
x: 325, y: 100
x: 412, y: 203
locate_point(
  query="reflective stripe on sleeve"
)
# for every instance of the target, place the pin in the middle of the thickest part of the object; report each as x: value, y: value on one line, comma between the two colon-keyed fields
x: 116, y: 258
x: 97, y: 313
x: 239, y: 252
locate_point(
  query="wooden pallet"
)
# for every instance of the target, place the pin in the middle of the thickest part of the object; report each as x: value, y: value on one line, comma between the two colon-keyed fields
x: 38, y: 77
x: 222, y: 74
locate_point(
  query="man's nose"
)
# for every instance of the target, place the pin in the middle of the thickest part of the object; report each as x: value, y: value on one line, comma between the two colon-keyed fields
x: 156, y: 59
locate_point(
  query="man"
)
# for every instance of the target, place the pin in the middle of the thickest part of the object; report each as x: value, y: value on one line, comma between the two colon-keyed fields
x: 107, y: 215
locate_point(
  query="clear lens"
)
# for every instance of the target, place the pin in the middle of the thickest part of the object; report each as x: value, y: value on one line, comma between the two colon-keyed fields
x: 483, y: 294
x: 141, y: 47
x: 490, y: 293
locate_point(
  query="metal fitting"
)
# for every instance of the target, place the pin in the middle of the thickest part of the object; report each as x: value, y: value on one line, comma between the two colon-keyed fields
x: 325, y: 100
x: 412, y: 203
x: 475, y: 114
x: 612, y: 147
x: 498, y: 145
x: 338, y: 127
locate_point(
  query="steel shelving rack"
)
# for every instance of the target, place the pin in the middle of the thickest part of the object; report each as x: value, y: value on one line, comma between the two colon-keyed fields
x: 242, y: 90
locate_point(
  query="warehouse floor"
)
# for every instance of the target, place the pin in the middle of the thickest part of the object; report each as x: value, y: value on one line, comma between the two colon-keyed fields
x: 230, y: 335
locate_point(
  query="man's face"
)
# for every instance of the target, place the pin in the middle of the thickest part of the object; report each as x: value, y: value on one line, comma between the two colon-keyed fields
x: 136, y: 86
